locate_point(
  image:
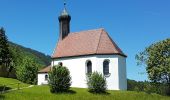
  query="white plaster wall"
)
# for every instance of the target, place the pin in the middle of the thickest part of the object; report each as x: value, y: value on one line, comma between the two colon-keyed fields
x: 113, y: 79
x: 41, y: 78
x: 122, y: 73
x: 77, y: 67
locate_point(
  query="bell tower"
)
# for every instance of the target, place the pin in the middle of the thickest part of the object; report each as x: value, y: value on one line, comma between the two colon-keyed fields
x: 64, y: 23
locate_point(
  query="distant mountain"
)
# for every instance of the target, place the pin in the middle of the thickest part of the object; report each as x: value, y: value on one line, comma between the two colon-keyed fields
x: 39, y: 57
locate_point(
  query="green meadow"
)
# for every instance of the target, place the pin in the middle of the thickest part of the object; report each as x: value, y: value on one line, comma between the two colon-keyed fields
x: 43, y: 93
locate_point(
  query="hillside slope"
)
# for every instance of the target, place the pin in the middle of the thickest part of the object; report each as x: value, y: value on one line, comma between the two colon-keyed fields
x: 11, y: 83
x: 38, y: 56
x: 19, y: 53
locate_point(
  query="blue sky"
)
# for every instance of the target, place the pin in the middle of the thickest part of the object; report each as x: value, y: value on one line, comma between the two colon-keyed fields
x: 132, y: 24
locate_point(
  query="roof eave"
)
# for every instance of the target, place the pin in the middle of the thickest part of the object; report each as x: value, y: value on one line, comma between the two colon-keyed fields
x: 90, y: 55
x: 42, y: 72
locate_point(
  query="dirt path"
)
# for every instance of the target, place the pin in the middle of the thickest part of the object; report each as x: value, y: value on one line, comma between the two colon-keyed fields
x: 17, y: 89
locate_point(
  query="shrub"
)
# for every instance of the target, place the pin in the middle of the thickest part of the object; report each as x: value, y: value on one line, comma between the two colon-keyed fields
x: 160, y: 88
x: 149, y: 87
x: 96, y: 83
x: 59, y: 79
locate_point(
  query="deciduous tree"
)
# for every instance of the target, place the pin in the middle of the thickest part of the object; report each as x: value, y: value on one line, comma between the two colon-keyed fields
x: 28, y: 71
x: 156, y: 59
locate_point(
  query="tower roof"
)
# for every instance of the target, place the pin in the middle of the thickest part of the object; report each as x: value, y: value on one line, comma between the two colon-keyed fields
x: 91, y: 42
x: 64, y: 14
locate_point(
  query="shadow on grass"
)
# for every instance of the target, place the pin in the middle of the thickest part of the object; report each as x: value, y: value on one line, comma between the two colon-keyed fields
x: 99, y: 93
x: 67, y: 92
x: 6, y: 88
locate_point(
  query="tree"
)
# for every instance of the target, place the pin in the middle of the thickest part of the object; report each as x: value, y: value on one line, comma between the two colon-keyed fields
x: 5, y: 55
x: 156, y: 58
x: 59, y: 79
x: 96, y: 82
x: 28, y: 71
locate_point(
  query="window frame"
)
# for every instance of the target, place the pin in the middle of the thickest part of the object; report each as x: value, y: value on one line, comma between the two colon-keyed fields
x: 60, y: 63
x: 87, y: 67
x: 106, y: 63
x: 46, y: 77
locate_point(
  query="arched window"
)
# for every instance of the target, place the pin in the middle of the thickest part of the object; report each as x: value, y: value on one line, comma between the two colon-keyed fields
x: 46, y: 77
x: 60, y: 63
x: 106, y: 67
x: 88, y: 67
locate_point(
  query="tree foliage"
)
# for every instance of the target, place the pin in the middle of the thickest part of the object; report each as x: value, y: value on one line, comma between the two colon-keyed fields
x: 5, y: 55
x: 157, y: 60
x: 148, y: 87
x: 19, y: 62
x: 96, y: 82
x: 19, y: 52
x: 28, y: 71
x: 59, y: 79
x: 39, y: 57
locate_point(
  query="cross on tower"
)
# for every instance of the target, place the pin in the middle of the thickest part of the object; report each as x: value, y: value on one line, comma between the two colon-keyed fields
x: 64, y: 3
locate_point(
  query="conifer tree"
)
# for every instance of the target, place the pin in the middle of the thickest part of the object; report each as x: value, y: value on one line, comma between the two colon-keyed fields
x: 5, y: 55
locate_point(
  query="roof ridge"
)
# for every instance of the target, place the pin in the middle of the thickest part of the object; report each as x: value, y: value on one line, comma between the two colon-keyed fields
x: 54, y: 49
x: 88, y: 30
x: 114, y: 44
x: 99, y: 41
x: 71, y: 33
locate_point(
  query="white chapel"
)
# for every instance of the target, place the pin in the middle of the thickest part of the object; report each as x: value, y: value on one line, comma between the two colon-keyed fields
x: 85, y: 52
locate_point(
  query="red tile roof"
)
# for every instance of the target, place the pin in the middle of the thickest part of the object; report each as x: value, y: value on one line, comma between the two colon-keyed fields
x: 86, y: 43
x: 45, y: 70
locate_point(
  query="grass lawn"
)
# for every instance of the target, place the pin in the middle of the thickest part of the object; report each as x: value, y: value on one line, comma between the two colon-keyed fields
x: 11, y: 83
x: 43, y: 93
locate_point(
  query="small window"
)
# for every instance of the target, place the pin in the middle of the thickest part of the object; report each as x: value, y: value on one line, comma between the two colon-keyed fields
x: 46, y: 77
x: 60, y: 63
x: 89, y: 67
x: 106, y: 67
